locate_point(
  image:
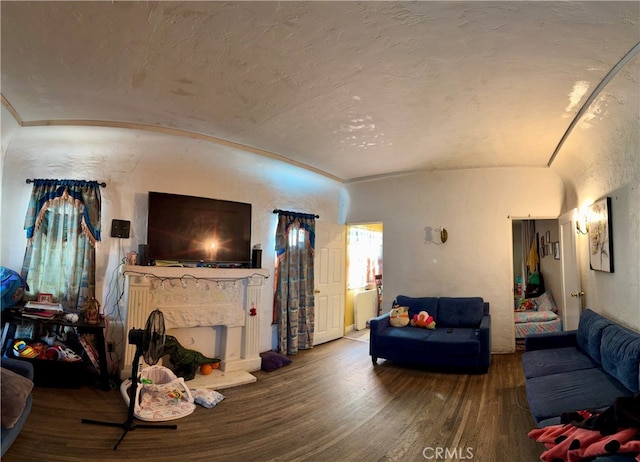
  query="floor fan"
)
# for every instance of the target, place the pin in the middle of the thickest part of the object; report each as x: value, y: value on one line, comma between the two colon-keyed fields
x: 149, y: 344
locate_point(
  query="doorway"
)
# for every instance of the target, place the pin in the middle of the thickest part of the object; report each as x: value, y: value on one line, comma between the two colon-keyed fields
x: 364, y: 268
x: 556, y: 268
x: 545, y: 231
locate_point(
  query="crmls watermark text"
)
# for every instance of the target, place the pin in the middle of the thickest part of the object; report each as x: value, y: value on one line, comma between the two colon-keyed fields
x: 440, y: 453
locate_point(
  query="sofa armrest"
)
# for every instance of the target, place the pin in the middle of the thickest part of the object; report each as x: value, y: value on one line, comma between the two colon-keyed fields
x: 376, y: 326
x: 547, y: 340
x: 484, y: 335
x: 379, y: 323
x: 18, y: 366
x: 485, y: 323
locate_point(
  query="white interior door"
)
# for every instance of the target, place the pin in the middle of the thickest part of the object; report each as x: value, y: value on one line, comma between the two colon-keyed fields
x: 571, y: 290
x: 330, y: 283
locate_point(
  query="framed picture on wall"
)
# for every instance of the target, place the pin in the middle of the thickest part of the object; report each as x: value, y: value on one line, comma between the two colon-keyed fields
x: 600, y: 236
x: 556, y: 250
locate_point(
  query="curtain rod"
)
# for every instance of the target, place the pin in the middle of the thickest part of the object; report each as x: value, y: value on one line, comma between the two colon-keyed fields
x: 103, y: 184
x: 285, y: 212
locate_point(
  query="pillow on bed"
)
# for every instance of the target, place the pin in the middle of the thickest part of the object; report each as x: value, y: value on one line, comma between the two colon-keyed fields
x: 545, y: 302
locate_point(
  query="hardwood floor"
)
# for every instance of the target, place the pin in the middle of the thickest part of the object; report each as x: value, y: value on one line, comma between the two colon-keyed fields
x: 330, y: 404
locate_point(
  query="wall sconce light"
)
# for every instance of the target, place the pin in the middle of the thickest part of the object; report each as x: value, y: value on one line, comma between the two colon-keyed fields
x: 444, y: 235
x: 435, y: 235
x: 582, y: 223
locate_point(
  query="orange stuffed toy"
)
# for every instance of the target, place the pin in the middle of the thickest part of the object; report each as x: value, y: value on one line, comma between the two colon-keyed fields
x: 423, y: 319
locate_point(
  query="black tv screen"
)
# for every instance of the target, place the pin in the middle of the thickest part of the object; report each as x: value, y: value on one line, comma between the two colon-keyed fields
x: 197, y: 229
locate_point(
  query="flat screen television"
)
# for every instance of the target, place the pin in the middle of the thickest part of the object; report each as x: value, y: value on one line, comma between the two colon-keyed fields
x: 192, y: 229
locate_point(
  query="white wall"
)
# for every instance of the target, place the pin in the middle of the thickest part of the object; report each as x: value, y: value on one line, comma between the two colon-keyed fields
x: 602, y: 158
x: 132, y: 163
x: 476, y: 207
x: 9, y: 127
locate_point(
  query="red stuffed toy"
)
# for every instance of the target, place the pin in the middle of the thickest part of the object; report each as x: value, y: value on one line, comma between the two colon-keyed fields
x: 423, y: 319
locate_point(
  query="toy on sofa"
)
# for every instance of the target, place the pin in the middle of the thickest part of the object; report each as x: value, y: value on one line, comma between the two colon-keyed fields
x: 399, y: 316
x: 423, y: 319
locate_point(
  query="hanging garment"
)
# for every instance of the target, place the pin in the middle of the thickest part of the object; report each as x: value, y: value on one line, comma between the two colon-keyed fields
x: 532, y: 261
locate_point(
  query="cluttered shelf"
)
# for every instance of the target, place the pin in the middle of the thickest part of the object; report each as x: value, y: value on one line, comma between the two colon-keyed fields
x: 59, y: 344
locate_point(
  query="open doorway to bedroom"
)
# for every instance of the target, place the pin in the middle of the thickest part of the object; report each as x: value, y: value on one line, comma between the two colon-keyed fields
x: 364, y: 276
x: 537, y: 277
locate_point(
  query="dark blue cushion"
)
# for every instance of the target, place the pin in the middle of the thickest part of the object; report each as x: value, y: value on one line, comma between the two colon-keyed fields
x: 460, y: 311
x: 418, y: 304
x: 589, y: 335
x: 551, y: 395
x: 537, y: 363
x: 621, y: 355
x: 616, y: 458
x: 459, y: 342
x: 403, y: 338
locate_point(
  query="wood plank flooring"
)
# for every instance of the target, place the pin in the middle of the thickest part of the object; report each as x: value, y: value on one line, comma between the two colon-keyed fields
x: 330, y: 404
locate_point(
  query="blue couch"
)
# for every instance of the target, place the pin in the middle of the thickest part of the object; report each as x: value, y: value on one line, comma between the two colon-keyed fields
x: 461, y: 339
x: 16, y: 396
x: 584, y: 369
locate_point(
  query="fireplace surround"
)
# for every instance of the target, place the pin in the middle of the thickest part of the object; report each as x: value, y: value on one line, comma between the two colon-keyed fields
x: 225, y: 298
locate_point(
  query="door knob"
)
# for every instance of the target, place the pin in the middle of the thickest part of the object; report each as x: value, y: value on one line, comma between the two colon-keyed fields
x: 316, y: 291
x: 577, y: 294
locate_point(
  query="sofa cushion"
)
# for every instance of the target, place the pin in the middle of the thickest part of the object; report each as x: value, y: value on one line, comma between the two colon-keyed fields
x: 459, y: 311
x: 406, y: 339
x: 551, y: 395
x: 589, y: 335
x: 537, y: 363
x: 418, y: 304
x: 459, y: 342
x: 15, y: 389
x: 620, y: 351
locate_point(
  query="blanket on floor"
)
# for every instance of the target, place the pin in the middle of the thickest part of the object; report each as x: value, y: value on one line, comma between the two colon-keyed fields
x: 585, y: 434
x: 569, y: 443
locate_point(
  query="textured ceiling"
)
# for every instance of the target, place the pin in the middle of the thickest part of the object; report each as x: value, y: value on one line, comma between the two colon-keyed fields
x: 349, y: 89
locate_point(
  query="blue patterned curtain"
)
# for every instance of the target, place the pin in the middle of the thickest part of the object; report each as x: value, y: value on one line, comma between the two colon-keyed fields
x: 63, y: 227
x: 294, y: 300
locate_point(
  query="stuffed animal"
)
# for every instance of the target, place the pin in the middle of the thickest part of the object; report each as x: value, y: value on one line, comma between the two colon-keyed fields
x: 423, y: 319
x: 185, y: 361
x: 399, y: 316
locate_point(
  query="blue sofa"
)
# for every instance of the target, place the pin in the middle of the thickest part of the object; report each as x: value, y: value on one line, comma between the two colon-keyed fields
x: 19, y: 401
x: 583, y: 369
x: 461, y: 339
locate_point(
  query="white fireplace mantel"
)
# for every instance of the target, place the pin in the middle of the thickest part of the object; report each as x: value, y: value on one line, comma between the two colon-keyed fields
x: 195, y: 297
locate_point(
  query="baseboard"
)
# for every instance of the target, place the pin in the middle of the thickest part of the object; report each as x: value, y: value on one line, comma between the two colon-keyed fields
x: 350, y: 328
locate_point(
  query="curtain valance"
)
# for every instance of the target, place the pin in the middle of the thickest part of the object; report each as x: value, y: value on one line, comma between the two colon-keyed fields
x: 286, y: 219
x: 78, y: 193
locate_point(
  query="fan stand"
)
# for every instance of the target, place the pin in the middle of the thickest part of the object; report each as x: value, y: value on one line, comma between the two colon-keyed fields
x: 130, y: 425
